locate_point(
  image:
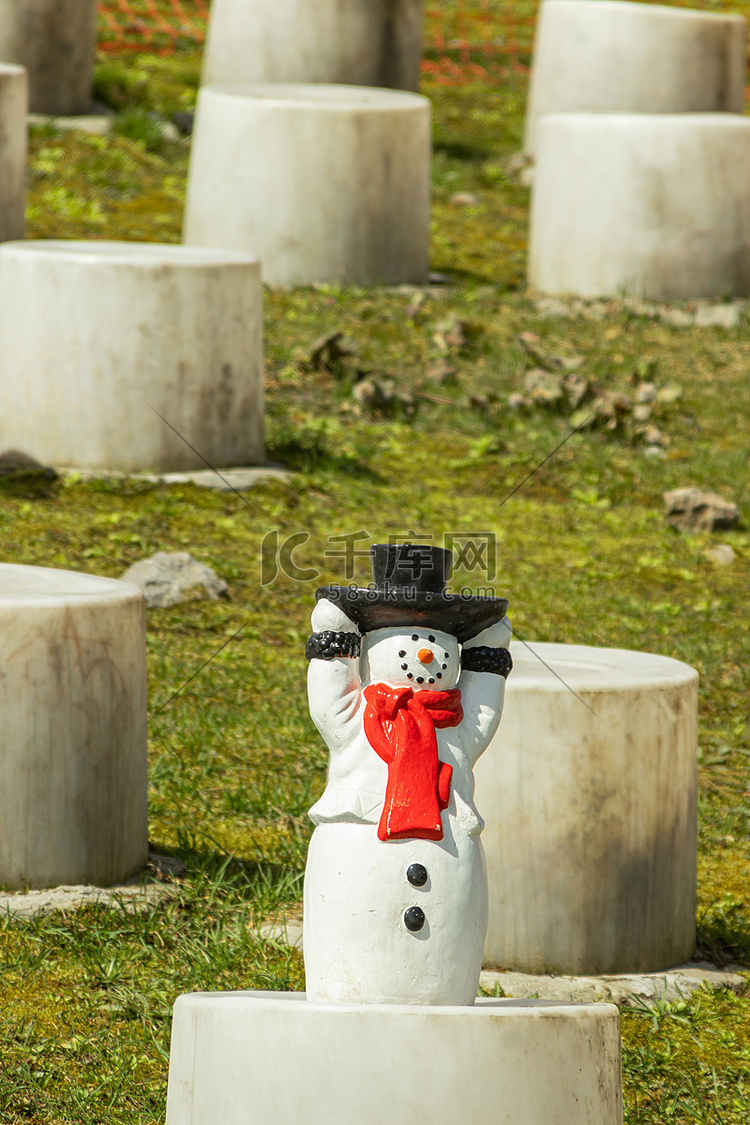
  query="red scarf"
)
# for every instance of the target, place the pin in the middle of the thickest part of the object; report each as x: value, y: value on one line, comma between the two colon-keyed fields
x: 400, y: 727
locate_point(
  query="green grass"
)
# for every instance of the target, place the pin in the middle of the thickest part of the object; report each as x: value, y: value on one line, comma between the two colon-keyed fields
x: 584, y: 555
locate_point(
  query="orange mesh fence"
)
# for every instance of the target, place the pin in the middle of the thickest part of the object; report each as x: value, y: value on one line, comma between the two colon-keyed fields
x: 464, y: 39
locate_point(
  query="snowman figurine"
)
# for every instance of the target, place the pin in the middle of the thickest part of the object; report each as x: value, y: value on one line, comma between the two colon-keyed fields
x: 406, y: 685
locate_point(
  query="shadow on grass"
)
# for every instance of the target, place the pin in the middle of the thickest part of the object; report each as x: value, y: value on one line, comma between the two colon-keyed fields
x: 724, y: 933
x: 463, y: 150
x: 307, y: 453
x: 262, y: 882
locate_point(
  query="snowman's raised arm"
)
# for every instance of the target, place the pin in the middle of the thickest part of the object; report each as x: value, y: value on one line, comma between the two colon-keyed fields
x: 485, y: 663
x: 333, y: 684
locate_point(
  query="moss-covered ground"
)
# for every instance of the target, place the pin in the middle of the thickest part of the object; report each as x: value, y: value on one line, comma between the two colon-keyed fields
x: 584, y: 555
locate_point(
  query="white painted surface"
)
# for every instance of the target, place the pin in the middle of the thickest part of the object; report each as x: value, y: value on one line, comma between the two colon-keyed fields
x: 358, y: 42
x: 54, y: 40
x: 612, y: 56
x: 99, y: 333
x: 357, y: 946
x: 73, y: 770
x: 257, y: 1056
x: 14, y: 96
x: 652, y: 205
x: 591, y: 818
x: 323, y: 183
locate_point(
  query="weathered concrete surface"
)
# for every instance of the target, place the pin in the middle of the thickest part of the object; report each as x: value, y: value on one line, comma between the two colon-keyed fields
x: 324, y: 183
x: 612, y: 56
x: 354, y: 42
x: 649, y: 205
x: 589, y: 794
x: 127, y: 354
x: 54, y: 40
x: 296, y: 1059
x: 73, y: 753
x: 14, y: 96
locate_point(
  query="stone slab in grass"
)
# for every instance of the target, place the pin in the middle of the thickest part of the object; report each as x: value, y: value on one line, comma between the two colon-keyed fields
x: 158, y: 882
x: 629, y: 989
x: 221, y: 480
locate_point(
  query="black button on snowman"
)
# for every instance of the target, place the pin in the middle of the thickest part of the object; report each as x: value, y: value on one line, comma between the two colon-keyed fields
x: 406, y: 685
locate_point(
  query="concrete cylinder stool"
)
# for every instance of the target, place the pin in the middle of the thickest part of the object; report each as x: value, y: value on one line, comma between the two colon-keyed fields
x: 73, y: 770
x: 293, y: 1059
x: 591, y: 813
x: 54, y: 40
x: 653, y: 205
x: 324, y: 183
x: 14, y: 98
x: 358, y: 42
x: 612, y: 56
x: 101, y: 335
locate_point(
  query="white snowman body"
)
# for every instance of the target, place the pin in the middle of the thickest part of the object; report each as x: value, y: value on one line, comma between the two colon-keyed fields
x: 396, y: 920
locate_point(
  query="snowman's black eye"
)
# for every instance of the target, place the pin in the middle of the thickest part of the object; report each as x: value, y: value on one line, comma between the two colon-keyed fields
x: 446, y: 655
x: 404, y: 666
x: 420, y: 679
x: 403, y: 652
x: 415, y: 636
x: 430, y: 638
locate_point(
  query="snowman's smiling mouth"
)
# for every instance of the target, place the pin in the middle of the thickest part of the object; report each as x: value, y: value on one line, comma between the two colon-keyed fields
x: 423, y: 665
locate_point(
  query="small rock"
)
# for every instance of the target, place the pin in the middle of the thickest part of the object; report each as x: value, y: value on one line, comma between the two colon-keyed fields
x: 722, y: 554
x: 451, y: 333
x: 166, y: 578
x: 329, y: 354
x: 383, y: 399
x: 441, y: 371
x: 642, y: 411
x: 543, y: 387
x: 718, y: 316
x: 652, y: 435
x: 519, y: 165
x: 14, y: 463
x: 184, y: 120
x: 670, y: 393
x: 463, y: 199
x: 692, y: 509
x: 577, y: 388
x: 645, y: 392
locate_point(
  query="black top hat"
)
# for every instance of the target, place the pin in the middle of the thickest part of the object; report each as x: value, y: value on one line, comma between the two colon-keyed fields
x: 408, y: 588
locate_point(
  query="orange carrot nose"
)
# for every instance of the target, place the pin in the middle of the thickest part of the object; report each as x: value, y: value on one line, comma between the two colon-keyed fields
x: 426, y: 655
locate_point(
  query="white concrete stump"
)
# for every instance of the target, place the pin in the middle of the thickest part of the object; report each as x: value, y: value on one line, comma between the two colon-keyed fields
x: 73, y: 769
x: 357, y: 42
x: 612, y: 56
x: 101, y: 335
x: 591, y: 828
x: 273, y: 1056
x: 55, y: 41
x: 323, y: 183
x: 652, y: 205
x: 14, y: 97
